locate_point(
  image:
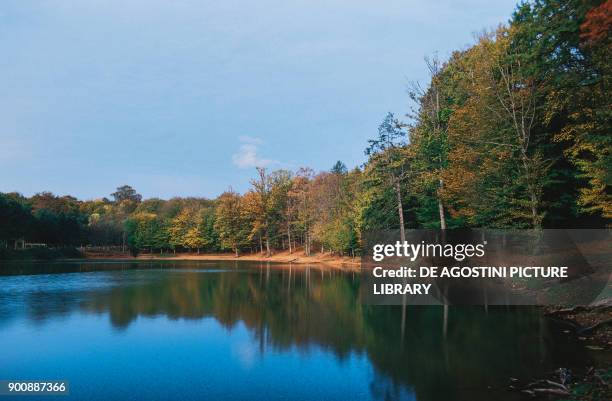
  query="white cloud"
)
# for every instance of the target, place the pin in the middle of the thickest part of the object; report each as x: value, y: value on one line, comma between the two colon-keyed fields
x: 247, y: 155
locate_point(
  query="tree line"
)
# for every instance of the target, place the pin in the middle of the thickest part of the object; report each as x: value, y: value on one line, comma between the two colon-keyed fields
x: 512, y: 132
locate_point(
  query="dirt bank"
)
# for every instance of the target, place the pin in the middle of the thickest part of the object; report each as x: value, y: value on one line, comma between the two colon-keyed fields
x: 296, y: 257
x: 592, y: 324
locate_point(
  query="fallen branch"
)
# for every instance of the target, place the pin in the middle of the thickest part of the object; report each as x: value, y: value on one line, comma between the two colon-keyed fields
x: 601, y: 379
x: 558, y: 385
x: 568, y: 311
x: 528, y: 392
x: 551, y: 391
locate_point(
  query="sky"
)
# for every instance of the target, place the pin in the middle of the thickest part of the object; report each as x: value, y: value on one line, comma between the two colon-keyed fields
x: 186, y: 97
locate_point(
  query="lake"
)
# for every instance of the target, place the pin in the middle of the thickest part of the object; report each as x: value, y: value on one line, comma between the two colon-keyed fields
x: 193, y: 330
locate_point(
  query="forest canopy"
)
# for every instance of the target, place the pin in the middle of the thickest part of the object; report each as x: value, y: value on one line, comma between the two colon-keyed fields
x: 512, y: 132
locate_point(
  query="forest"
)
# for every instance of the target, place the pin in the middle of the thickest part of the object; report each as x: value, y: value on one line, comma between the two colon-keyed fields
x: 511, y: 132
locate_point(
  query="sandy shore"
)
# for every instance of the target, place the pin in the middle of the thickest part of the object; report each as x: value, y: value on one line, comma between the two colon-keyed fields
x: 297, y: 257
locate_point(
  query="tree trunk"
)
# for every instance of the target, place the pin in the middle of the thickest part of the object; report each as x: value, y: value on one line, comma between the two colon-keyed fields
x: 400, y: 211
x: 442, y: 218
x: 534, y: 210
x: 267, y: 245
x: 441, y: 210
x: 309, y: 244
x: 289, y: 238
x: 445, y: 321
x: 530, y: 187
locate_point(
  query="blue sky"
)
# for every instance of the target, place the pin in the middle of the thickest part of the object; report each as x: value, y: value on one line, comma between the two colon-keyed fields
x: 180, y: 98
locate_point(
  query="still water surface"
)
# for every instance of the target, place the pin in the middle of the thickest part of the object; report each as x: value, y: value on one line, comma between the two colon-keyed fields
x: 198, y: 330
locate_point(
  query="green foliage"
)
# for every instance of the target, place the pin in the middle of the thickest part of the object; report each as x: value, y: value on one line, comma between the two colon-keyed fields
x: 513, y: 131
x: 339, y: 168
x: 125, y: 193
x: 15, y: 217
x: 230, y: 222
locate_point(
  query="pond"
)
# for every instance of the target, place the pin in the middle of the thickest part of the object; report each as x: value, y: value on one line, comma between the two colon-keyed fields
x: 246, y: 330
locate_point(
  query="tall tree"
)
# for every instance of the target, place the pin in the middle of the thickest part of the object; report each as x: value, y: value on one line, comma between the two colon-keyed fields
x: 300, y: 209
x: 15, y: 218
x: 263, y: 206
x: 386, y: 157
x: 229, y: 222
x: 125, y: 192
x: 429, y: 136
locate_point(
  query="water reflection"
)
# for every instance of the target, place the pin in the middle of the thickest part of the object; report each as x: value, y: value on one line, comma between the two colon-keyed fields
x: 415, y: 352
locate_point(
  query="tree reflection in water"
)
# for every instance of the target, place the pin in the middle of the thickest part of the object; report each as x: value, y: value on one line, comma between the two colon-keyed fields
x: 303, y: 306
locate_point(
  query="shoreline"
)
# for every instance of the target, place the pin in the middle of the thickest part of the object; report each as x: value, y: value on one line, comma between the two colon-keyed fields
x: 281, y: 258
